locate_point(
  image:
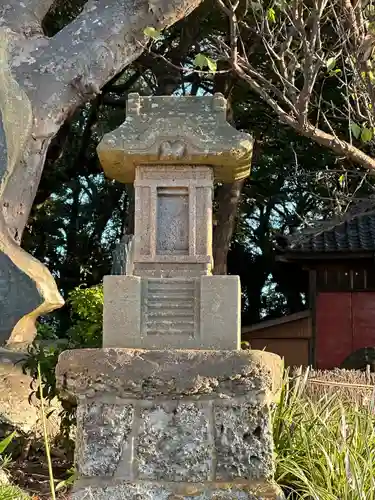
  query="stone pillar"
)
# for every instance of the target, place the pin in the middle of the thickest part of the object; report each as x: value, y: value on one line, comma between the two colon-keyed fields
x: 171, y: 408
x: 172, y: 424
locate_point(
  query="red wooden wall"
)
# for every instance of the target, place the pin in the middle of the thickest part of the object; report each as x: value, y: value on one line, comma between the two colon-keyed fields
x: 345, y: 322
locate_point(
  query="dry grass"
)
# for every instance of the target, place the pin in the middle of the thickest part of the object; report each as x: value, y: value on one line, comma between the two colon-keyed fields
x: 325, y: 448
x: 352, y: 386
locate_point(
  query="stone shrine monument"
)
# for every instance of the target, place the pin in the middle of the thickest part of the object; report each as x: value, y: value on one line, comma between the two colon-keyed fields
x: 171, y: 408
x: 171, y: 148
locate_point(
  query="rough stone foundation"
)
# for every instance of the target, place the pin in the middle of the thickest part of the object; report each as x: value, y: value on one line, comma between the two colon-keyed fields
x: 172, y: 425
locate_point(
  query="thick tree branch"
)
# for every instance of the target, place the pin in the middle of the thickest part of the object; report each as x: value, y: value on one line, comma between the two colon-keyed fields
x: 71, y: 68
x: 25, y: 16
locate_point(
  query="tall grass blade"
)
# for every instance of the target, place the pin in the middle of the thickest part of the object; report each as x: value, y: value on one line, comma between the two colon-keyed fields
x: 46, y: 440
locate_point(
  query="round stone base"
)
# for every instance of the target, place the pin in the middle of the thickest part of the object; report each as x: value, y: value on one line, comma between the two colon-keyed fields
x: 143, y: 490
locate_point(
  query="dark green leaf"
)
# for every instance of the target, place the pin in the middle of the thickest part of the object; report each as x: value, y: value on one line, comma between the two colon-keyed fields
x: 356, y: 129
x: 366, y: 134
x: 6, y: 442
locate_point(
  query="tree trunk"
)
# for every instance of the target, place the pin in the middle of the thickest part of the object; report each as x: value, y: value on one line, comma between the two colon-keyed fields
x: 42, y: 82
x: 228, y: 198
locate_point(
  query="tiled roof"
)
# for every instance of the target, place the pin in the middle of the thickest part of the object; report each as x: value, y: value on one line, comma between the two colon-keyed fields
x: 354, y: 232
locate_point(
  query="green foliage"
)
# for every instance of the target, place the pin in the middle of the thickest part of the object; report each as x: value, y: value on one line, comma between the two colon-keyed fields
x: 324, y: 449
x: 366, y: 134
x: 271, y: 15
x: 85, y: 332
x: 331, y: 69
x: 202, y: 61
x: 331, y: 63
x: 87, y: 314
x: 4, y: 443
x: 69, y: 481
x: 355, y: 129
x: 8, y: 492
x: 12, y: 493
x: 152, y: 33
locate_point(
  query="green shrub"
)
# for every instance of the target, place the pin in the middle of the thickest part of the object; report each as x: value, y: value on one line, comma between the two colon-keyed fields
x: 4, y: 444
x: 8, y: 492
x: 324, y: 450
x: 85, y: 331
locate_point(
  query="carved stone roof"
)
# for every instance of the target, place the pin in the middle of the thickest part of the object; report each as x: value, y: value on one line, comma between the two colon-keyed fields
x: 176, y: 130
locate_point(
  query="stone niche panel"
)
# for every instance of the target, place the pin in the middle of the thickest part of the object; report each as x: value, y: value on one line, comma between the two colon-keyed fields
x: 104, y: 431
x: 172, y: 216
x: 173, y: 443
x: 243, y: 441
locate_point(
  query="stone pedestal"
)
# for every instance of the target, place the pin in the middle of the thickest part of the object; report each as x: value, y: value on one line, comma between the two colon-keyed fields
x: 173, y: 313
x: 172, y: 425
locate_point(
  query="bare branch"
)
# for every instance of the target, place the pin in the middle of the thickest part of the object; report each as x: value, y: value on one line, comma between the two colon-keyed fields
x: 233, y: 27
x: 309, y: 46
x: 329, y: 141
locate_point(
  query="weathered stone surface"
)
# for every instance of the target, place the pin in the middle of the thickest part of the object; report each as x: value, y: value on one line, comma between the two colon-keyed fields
x: 199, y: 424
x: 172, y: 313
x: 122, y: 256
x: 145, y: 374
x: 103, y: 432
x: 15, y: 408
x: 172, y: 149
x: 180, y: 491
x: 173, y: 443
x: 243, y: 441
x: 161, y: 129
x: 122, y: 309
x: 220, y: 311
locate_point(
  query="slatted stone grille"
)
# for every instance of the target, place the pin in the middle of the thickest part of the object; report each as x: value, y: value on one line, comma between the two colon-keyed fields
x: 170, y: 307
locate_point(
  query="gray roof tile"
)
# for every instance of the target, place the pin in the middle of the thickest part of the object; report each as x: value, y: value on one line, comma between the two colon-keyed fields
x: 354, y: 232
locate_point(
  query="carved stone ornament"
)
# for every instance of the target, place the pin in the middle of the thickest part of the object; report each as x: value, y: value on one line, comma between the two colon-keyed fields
x: 172, y: 150
x: 176, y: 129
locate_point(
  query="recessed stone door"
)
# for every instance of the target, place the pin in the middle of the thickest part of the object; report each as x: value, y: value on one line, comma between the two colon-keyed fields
x: 172, y: 229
